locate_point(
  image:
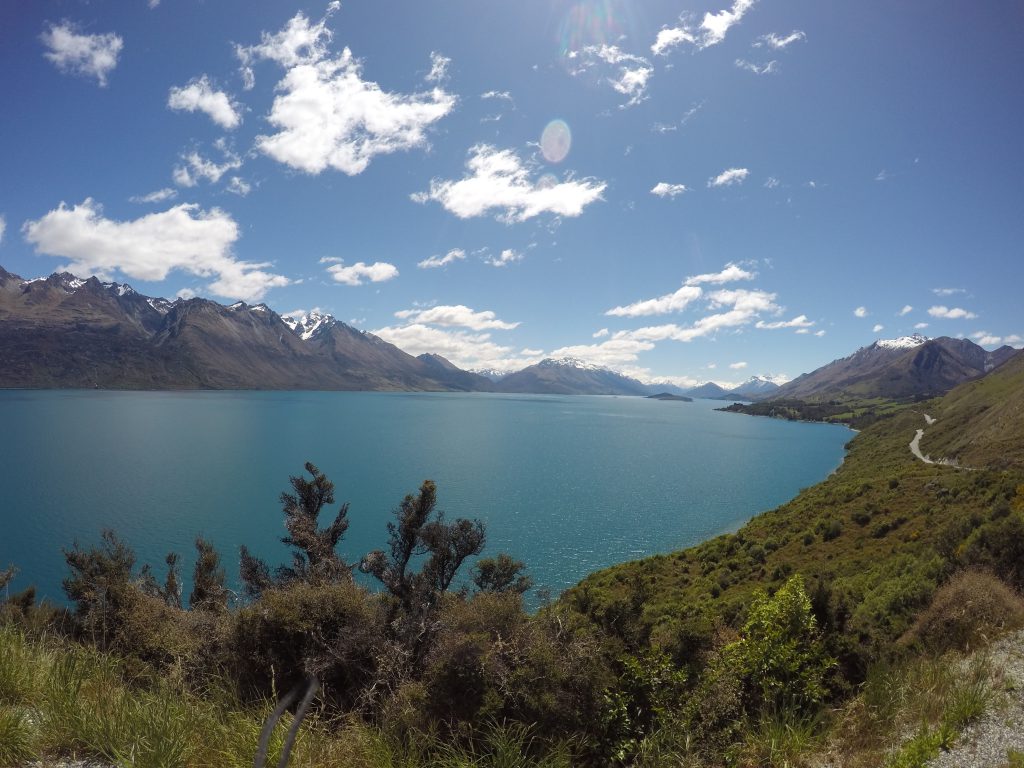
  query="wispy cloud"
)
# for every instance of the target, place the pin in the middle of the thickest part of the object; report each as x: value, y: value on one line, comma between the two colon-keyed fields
x: 711, y: 30
x: 434, y: 262
x: 79, y: 54
x: 159, y: 196
x: 506, y: 257
x: 738, y: 366
x: 800, y: 321
x: 778, y: 42
x: 730, y: 273
x: 631, y: 72
x: 948, y: 291
x: 729, y: 177
x: 758, y: 69
x: 670, y: 302
x: 438, y: 68
x: 954, y: 313
x: 185, y: 238
x: 497, y: 180
x: 907, y: 309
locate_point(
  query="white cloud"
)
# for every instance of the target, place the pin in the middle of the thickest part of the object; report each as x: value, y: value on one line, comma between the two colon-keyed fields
x: 758, y: 69
x: 455, y: 254
x: 3, y: 227
x: 671, y: 302
x: 738, y: 366
x: 239, y: 186
x: 883, y: 175
x: 457, y: 315
x: 465, y: 349
x: 600, y: 334
x: 907, y: 309
x: 438, y: 68
x: 498, y: 180
x: 160, y: 196
x: 1013, y: 338
x: 920, y: 326
x: 507, y: 256
x: 184, y: 238
x: 986, y: 339
x: 861, y: 312
x: 948, y: 291
x: 615, y: 352
x: 819, y: 333
x: 355, y: 274
x: 201, y: 95
x: 86, y: 55
x: 771, y: 182
x: 878, y: 327
x: 664, y: 189
x: 669, y: 38
x: 711, y: 31
x: 777, y: 42
x: 956, y: 313
x: 716, y: 25
x: 630, y: 79
x: 730, y: 273
x: 197, y: 167
x: 729, y: 177
x: 800, y: 321
x: 326, y: 114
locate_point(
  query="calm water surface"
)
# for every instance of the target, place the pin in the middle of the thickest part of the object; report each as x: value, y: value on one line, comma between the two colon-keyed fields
x: 568, y: 484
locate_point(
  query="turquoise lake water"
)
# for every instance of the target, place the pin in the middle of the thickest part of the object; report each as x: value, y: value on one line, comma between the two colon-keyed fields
x: 567, y: 484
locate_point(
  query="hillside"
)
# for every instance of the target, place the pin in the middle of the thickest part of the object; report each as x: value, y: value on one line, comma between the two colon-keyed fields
x: 569, y: 376
x: 878, y: 535
x: 63, y: 331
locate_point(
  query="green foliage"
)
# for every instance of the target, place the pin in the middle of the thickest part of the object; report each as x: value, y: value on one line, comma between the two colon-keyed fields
x: 999, y: 546
x: 15, y: 736
x: 208, y: 590
x: 501, y: 574
x: 780, y: 657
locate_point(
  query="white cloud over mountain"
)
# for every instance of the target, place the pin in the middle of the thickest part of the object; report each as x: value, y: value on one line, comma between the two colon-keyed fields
x: 457, y: 315
x: 184, y: 237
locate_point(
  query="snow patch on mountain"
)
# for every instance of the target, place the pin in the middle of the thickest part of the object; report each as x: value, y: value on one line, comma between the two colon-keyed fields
x: 307, y: 325
x: 903, y: 342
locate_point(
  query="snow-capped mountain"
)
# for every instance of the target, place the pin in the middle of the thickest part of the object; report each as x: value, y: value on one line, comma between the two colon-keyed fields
x: 570, y: 376
x: 903, y: 342
x: 307, y: 325
x: 756, y: 387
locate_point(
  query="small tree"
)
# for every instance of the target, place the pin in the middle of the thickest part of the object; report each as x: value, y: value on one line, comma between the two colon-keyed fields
x: 314, y: 559
x: 501, y: 574
x: 208, y: 590
x: 99, y: 584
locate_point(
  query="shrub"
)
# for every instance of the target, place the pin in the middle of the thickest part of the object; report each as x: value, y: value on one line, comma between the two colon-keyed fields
x: 971, y: 607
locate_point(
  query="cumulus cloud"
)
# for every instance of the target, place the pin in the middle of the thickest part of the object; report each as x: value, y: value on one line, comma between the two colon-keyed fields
x: 664, y: 189
x: 1013, y: 338
x: 878, y: 327
x: 326, y: 114
x: 457, y: 315
x: 778, y: 42
x: 239, y: 186
x: 84, y: 55
x: 466, y: 349
x: 861, y: 312
x: 920, y: 326
x: 711, y: 31
x: 729, y: 177
x: 758, y: 69
x: 614, y: 353
x: 738, y: 366
x: 800, y: 321
x: 600, y: 334
x: 434, y: 262
x: 506, y: 257
x: 159, y: 196
x: 200, y: 95
x: 907, y: 309
x: 360, y: 272
x: 184, y: 238
x: 497, y: 180
x: 954, y: 313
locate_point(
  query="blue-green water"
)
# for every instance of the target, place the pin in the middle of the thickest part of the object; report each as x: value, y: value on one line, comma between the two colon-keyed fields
x: 568, y: 484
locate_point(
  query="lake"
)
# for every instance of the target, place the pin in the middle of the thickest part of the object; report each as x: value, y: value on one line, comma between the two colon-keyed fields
x: 569, y: 484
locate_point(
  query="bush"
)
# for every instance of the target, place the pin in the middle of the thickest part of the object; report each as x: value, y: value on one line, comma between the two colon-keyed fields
x: 972, y: 607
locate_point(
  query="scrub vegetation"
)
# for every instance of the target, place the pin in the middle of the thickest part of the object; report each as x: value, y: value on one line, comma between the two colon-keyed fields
x: 846, y: 626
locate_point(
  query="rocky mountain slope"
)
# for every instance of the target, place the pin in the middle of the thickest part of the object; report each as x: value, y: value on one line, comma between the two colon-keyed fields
x: 63, y: 331
x: 569, y: 376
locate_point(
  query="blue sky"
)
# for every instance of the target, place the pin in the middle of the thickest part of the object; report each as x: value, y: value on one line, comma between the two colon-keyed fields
x: 733, y: 187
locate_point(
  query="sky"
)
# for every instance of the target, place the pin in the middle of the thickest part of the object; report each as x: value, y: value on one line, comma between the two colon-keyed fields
x: 683, y: 191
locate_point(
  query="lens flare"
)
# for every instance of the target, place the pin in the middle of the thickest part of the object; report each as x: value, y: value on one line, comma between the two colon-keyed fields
x: 555, y: 141
x: 547, y: 181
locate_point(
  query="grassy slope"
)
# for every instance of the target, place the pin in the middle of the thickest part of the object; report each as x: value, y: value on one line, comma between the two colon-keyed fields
x: 880, y: 531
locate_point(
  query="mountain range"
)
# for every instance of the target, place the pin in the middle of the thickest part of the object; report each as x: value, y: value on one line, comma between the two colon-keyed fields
x: 66, y: 332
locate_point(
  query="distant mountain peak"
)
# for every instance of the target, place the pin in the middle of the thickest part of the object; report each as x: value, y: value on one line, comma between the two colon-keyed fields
x: 570, y: 362
x: 308, y: 325
x: 903, y: 342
